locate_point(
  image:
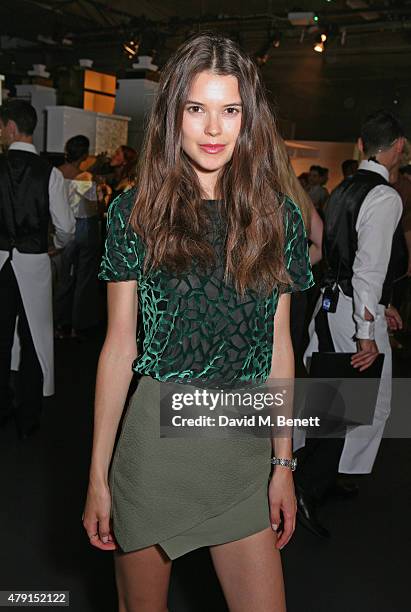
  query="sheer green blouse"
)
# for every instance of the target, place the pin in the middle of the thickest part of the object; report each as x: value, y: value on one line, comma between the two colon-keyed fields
x: 194, y: 327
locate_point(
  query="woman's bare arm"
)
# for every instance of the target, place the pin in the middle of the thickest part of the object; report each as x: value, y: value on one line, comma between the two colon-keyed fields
x: 282, y: 363
x: 114, y: 374
x: 281, y: 488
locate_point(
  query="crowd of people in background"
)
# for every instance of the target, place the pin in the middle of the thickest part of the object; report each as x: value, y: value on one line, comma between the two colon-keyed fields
x: 91, y: 185
x: 314, y: 182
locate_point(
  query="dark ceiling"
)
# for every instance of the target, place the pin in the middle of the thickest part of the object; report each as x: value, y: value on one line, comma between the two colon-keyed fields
x: 60, y: 31
x: 80, y: 15
x: 366, y: 64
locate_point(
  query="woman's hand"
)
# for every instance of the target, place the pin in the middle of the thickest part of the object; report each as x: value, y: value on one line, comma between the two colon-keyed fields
x: 281, y: 497
x: 96, y: 517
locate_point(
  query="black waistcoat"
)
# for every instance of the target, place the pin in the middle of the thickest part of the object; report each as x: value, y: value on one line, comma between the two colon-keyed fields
x: 340, y: 235
x: 24, y: 202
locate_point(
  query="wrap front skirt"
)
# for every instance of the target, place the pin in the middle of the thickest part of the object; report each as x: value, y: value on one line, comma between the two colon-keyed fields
x: 184, y: 493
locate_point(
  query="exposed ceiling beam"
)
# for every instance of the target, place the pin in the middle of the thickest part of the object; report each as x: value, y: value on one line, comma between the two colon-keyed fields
x: 94, y: 13
x: 141, y: 6
x: 51, y: 6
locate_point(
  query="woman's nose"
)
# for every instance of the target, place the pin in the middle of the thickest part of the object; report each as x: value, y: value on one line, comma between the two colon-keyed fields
x: 213, y: 126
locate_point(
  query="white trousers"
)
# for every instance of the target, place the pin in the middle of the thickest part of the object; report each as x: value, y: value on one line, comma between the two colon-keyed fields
x: 33, y: 274
x: 362, y: 442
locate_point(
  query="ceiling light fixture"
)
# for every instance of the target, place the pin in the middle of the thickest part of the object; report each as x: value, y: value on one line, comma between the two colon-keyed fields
x: 319, y: 45
x: 273, y: 41
x: 131, y: 48
x: 276, y: 39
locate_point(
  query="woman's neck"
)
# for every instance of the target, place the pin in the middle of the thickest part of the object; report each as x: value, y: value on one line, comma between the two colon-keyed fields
x: 208, y: 183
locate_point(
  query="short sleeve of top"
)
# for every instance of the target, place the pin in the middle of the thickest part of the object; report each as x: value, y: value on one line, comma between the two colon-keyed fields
x: 296, y: 255
x: 123, y: 252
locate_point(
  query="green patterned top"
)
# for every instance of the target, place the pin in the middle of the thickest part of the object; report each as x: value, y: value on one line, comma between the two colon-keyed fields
x: 194, y: 327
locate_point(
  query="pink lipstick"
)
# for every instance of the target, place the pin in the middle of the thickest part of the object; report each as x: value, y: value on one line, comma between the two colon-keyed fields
x: 212, y: 148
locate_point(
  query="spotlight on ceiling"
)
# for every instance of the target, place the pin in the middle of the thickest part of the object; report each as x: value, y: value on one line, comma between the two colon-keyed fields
x: 320, y: 41
x: 130, y: 48
x: 276, y: 39
x: 262, y: 58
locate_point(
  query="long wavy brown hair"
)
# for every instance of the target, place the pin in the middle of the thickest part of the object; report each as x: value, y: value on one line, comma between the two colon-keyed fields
x: 168, y: 211
x: 130, y: 157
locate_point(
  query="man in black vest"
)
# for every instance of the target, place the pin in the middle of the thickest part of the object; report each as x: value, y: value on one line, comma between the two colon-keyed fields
x: 31, y: 192
x: 362, y: 242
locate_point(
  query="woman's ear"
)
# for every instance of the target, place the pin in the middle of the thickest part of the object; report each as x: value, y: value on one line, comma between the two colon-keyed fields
x: 360, y: 145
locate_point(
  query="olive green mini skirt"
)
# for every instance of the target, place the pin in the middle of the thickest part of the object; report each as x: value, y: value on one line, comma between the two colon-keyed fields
x: 184, y: 493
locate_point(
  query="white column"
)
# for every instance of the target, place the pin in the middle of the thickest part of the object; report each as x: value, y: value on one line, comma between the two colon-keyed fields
x: 134, y: 98
x: 40, y: 97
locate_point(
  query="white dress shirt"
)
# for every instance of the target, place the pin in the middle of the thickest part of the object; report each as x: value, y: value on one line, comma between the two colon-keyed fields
x: 377, y: 220
x: 82, y: 196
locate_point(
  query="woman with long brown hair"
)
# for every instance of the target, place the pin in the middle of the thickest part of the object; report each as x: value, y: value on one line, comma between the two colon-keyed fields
x: 201, y: 259
x: 121, y: 177
x: 123, y: 163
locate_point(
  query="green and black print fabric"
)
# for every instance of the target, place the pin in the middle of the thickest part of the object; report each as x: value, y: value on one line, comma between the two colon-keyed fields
x: 194, y: 327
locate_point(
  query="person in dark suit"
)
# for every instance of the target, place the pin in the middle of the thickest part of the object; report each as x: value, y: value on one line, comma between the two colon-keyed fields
x: 363, y: 241
x: 31, y: 193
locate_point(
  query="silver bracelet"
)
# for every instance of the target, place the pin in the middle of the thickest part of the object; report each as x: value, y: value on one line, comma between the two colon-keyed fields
x: 290, y: 463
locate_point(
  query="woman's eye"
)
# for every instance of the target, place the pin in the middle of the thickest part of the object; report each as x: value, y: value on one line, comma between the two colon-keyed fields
x: 194, y: 109
x: 232, y: 110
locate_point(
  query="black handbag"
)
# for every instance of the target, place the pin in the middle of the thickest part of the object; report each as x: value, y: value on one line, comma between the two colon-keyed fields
x: 337, y: 393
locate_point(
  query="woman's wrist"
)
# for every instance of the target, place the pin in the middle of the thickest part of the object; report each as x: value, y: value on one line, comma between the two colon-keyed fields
x: 282, y: 447
x: 282, y: 469
x: 281, y: 474
x: 98, y: 477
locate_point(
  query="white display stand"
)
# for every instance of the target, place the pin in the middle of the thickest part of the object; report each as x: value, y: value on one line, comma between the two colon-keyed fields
x: 39, y: 96
x: 134, y: 98
x: 105, y: 132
